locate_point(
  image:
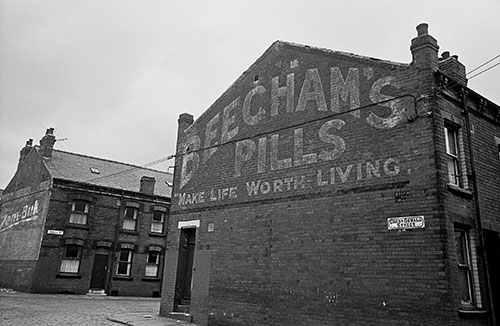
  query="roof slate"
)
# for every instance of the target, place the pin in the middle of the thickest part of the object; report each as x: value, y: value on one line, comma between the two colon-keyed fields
x: 77, y: 167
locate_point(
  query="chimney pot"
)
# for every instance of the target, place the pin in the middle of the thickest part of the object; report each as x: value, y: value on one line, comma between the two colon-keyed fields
x: 455, y: 57
x: 422, y: 29
x: 445, y: 55
x: 424, y: 49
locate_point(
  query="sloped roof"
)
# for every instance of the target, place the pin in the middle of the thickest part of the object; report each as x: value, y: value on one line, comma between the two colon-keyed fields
x: 111, y: 174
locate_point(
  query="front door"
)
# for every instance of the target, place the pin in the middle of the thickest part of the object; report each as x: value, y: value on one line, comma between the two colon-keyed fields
x: 185, y: 265
x: 99, y: 272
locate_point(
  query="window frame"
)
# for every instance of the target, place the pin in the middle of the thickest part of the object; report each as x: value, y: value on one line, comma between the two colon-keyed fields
x: 127, y: 219
x: 65, y: 259
x: 465, y: 267
x: 74, y: 212
x: 127, y: 263
x: 155, y: 264
x: 453, y: 160
x: 162, y: 222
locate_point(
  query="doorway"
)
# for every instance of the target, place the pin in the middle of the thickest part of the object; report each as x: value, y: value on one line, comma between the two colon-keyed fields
x: 185, y: 261
x: 99, y: 272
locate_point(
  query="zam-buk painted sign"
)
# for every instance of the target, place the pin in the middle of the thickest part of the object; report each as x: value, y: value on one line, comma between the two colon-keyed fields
x: 26, y: 214
x: 224, y: 126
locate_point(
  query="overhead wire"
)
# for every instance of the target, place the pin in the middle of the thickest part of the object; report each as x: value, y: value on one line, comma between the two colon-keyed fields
x: 255, y: 136
x: 485, y: 70
x: 161, y: 160
x: 482, y: 65
x: 455, y: 83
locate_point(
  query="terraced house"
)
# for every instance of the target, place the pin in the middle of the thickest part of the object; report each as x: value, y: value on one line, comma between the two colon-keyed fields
x: 71, y: 223
x: 329, y: 188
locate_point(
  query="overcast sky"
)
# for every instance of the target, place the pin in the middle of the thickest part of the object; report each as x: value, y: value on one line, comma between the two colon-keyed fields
x: 112, y: 77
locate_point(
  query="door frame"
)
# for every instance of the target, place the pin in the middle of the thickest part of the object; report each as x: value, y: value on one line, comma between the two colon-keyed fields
x: 104, y: 262
x: 185, y: 265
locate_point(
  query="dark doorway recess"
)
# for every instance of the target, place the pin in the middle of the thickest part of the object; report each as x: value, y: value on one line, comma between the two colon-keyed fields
x: 99, y: 271
x: 183, y: 284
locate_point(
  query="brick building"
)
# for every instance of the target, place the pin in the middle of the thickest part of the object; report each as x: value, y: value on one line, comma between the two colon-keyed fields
x: 71, y: 223
x: 331, y: 188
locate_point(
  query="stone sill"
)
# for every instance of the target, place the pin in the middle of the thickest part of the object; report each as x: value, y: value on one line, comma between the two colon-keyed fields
x: 150, y: 279
x: 62, y: 275
x: 77, y: 226
x: 158, y: 235
x: 472, y: 313
x: 459, y: 190
x: 130, y: 232
x: 123, y: 278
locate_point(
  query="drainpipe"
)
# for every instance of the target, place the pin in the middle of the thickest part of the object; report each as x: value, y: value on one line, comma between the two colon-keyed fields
x: 115, y: 242
x: 484, y: 258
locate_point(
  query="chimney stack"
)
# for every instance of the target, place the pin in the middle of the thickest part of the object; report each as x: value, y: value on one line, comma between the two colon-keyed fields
x: 453, y: 68
x: 184, y: 121
x: 147, y: 185
x: 424, y: 49
x: 25, y: 150
x: 47, y: 143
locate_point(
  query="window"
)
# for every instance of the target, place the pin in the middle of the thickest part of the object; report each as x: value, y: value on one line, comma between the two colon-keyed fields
x: 130, y: 218
x: 157, y: 222
x: 464, y: 266
x: 452, y: 153
x: 152, y: 264
x: 79, y: 212
x: 124, y: 262
x: 71, y: 259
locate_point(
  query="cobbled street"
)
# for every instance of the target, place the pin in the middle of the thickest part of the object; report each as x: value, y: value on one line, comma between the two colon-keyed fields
x: 24, y: 309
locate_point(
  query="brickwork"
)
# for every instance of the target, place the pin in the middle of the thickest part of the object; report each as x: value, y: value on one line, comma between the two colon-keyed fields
x: 105, y: 213
x: 36, y: 232
x: 292, y: 195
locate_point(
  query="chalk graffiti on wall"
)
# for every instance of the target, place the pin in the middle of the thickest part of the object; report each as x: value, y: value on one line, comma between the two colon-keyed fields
x: 226, y: 124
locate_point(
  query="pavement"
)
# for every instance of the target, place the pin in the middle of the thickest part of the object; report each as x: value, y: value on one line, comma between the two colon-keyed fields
x: 142, y: 319
x: 30, y: 309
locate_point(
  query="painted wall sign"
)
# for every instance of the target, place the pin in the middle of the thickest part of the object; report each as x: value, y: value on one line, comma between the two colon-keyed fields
x: 335, y: 175
x: 239, y: 113
x: 320, y: 147
x: 21, y: 224
x: 25, y: 214
x: 55, y: 232
x: 406, y: 222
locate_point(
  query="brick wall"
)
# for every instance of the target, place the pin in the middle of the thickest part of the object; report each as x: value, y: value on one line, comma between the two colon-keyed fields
x: 24, y: 207
x: 104, y: 213
x: 288, y: 243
